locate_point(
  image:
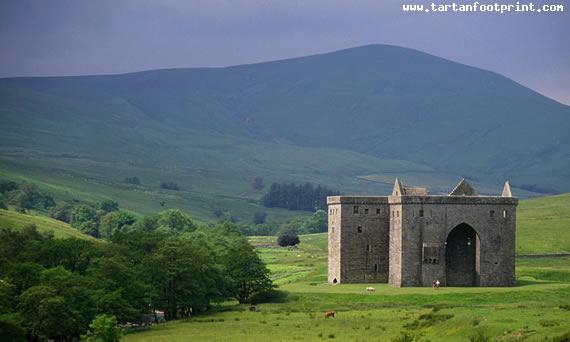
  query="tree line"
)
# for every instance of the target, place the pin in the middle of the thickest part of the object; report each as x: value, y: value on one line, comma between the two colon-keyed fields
x: 24, y: 196
x: 54, y: 288
x: 307, y: 196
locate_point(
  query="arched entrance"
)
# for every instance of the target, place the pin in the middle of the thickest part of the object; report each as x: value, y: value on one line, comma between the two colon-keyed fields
x: 462, y: 256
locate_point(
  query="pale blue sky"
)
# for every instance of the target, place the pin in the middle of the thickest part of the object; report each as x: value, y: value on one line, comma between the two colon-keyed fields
x: 79, y: 37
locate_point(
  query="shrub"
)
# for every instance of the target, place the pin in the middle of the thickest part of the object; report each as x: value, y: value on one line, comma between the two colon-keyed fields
x: 217, y: 212
x: 259, y: 217
x: 562, y: 338
x: 103, y: 329
x: 2, y: 204
x: 288, y: 239
x: 408, y: 336
x: 132, y: 180
x: 108, y: 206
x: 169, y: 186
x: 62, y: 213
x: 10, y: 330
x: 258, y: 183
x: 479, y: 337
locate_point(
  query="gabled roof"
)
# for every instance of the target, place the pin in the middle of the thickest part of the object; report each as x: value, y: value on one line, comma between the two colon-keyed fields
x: 463, y: 189
x: 401, y: 190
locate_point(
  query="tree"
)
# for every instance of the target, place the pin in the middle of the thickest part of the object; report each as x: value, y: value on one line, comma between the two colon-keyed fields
x: 62, y: 213
x: 317, y: 223
x: 288, y: 239
x: 176, y: 220
x: 258, y: 184
x: 86, y: 219
x: 6, y: 186
x: 47, y: 314
x: 183, y: 276
x: 10, y: 329
x: 259, y: 217
x: 169, y: 186
x: 28, y: 196
x: 247, y: 274
x: 114, y: 221
x: 133, y: 180
x: 108, y: 206
x: 103, y: 328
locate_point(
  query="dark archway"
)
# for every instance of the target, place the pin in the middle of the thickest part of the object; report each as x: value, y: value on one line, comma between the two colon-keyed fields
x: 462, y: 256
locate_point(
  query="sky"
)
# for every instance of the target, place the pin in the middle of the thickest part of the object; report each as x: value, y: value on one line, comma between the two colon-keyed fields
x: 81, y: 37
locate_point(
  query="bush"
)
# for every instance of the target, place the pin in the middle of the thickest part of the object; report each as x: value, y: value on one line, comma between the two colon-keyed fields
x: 288, y: 239
x: 259, y: 217
x: 103, y: 329
x: 169, y: 186
x: 62, y: 213
x: 479, y: 337
x: 258, y: 183
x: 6, y: 186
x: 270, y: 296
x: 108, y: 206
x: 217, y: 212
x: 10, y: 330
x: 133, y: 180
x: 2, y: 204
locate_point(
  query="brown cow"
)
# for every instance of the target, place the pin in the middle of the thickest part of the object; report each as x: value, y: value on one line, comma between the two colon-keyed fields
x: 329, y: 314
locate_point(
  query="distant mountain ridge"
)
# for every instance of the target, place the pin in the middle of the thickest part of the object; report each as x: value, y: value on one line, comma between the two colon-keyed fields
x: 378, y: 101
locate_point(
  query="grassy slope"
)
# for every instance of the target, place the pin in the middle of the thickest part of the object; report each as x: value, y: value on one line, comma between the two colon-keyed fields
x: 15, y: 220
x: 544, y: 225
x: 538, y: 307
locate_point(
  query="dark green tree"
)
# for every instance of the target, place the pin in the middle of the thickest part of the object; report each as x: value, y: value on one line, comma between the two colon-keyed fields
x: 114, y: 221
x: 259, y: 217
x: 108, y: 206
x: 247, y: 274
x: 86, y: 219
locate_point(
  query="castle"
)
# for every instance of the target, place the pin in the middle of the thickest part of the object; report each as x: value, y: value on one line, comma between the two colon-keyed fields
x: 412, y: 238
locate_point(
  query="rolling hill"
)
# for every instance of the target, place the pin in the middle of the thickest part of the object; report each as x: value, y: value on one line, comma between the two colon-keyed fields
x: 352, y: 119
x: 14, y: 220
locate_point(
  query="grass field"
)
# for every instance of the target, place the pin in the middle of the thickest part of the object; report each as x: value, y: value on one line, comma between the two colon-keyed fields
x: 543, y: 225
x: 537, y: 308
x: 14, y: 220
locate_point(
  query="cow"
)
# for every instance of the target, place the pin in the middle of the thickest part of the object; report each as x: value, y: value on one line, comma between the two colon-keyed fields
x: 329, y: 314
x: 370, y: 289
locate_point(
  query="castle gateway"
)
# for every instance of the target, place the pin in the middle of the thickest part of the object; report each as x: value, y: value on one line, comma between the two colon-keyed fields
x: 412, y: 238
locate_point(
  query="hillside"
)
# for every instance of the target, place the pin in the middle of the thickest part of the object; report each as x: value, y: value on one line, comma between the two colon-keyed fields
x: 14, y: 220
x: 543, y: 225
x: 352, y: 120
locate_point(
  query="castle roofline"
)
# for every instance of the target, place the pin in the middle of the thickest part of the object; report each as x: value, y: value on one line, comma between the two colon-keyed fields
x: 462, y: 193
x: 430, y: 199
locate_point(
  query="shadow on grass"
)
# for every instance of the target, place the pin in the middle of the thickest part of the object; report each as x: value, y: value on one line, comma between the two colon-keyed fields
x: 529, y: 281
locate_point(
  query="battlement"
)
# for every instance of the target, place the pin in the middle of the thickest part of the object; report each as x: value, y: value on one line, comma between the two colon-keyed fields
x: 371, y: 200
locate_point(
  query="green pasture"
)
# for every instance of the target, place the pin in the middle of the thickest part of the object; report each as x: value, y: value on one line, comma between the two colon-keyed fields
x: 538, y: 308
x: 14, y: 220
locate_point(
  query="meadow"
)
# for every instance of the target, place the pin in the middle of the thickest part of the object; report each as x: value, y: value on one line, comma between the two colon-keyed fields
x: 538, y: 308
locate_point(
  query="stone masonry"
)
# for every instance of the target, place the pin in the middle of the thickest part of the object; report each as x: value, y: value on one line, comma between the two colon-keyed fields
x: 412, y: 238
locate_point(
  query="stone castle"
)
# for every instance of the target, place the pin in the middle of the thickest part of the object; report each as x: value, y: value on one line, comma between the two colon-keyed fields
x: 412, y: 238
